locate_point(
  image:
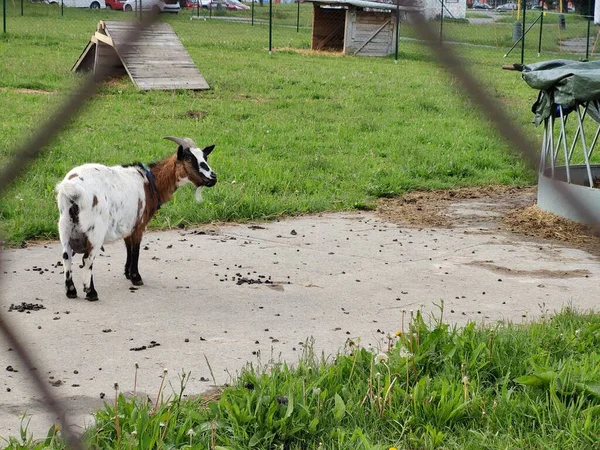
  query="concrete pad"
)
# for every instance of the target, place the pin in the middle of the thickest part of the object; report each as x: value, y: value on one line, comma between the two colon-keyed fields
x: 236, y: 294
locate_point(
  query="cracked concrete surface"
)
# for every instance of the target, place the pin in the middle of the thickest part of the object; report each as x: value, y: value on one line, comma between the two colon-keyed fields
x: 235, y: 294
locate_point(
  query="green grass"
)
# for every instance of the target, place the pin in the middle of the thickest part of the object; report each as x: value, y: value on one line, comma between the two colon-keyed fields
x: 294, y: 133
x: 534, y: 386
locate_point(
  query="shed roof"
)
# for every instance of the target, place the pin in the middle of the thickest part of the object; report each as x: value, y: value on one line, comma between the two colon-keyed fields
x: 365, y: 4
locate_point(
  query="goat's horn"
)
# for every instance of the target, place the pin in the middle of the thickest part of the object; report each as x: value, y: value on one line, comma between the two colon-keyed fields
x: 184, y: 142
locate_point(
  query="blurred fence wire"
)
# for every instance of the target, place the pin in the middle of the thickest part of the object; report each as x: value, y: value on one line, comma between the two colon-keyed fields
x: 299, y: 16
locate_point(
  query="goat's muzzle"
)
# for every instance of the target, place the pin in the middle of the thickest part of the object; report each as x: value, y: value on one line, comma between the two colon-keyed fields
x: 211, y: 181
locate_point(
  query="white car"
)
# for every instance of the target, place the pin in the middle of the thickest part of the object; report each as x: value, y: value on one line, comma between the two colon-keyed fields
x: 165, y: 6
x: 92, y: 4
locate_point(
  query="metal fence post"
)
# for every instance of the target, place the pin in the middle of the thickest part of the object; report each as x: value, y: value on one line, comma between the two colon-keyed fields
x: 587, y: 41
x: 298, y: 17
x: 541, y: 29
x: 270, y: 26
x: 62, y: 8
x: 4, y: 15
x: 442, y: 21
x: 397, y: 30
x: 252, y: 16
x: 22, y: 7
x: 524, y: 7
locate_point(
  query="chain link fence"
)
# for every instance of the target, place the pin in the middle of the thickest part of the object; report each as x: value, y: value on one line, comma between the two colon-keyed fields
x: 489, y: 35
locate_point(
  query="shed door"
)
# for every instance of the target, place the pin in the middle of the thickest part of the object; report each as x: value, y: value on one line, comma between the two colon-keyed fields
x: 371, y: 34
x: 328, y: 28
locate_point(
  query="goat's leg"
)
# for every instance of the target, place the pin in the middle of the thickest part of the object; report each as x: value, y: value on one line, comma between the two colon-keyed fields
x: 133, y: 256
x: 68, y: 264
x: 128, y: 260
x: 88, y: 278
x: 64, y: 231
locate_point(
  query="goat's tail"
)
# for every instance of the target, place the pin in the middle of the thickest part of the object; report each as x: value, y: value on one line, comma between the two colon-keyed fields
x: 69, y: 192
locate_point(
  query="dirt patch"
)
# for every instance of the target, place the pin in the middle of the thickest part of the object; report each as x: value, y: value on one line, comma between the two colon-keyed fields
x: 193, y: 114
x: 432, y: 208
x: 504, y: 208
x: 307, y: 51
x: 26, y: 91
x: 543, y: 273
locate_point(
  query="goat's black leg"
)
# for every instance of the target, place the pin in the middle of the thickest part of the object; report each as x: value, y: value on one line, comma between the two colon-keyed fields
x: 128, y: 260
x: 134, y: 274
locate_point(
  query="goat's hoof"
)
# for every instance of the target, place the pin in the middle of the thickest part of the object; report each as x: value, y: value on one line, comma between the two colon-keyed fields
x: 72, y: 293
x: 136, y: 279
x: 127, y: 275
x: 92, y: 296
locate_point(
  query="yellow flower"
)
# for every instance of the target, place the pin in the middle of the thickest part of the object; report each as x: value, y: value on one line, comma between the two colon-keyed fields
x: 397, y: 333
x: 393, y: 448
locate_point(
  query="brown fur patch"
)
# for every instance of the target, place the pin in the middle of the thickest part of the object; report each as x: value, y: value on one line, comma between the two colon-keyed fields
x: 95, y: 201
x: 73, y: 175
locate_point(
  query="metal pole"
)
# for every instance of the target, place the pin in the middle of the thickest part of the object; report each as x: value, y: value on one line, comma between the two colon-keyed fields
x: 524, y: 7
x: 541, y: 29
x: 587, y: 43
x: 210, y: 9
x: 442, y: 21
x: 62, y: 8
x: 22, y: 7
x: 4, y: 15
x: 298, y: 17
x: 252, y: 17
x: 270, y: 26
x: 397, y: 30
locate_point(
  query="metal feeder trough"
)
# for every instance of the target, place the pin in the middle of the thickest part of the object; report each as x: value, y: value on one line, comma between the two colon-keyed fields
x: 581, y: 181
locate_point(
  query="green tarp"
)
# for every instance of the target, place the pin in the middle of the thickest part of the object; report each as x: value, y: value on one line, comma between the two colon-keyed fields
x: 565, y: 83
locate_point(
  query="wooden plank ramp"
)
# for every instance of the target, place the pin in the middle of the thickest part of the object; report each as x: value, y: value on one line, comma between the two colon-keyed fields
x: 157, y: 61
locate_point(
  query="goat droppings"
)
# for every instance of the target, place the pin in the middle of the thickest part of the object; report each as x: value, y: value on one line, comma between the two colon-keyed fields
x: 198, y: 195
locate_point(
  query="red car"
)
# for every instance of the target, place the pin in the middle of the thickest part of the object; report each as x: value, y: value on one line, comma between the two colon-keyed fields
x: 115, y: 4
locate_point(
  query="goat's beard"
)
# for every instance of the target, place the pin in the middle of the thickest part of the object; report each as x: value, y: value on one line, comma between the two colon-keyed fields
x: 198, y: 195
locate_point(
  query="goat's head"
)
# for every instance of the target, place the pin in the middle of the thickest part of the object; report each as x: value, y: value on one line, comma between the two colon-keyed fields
x: 194, y: 163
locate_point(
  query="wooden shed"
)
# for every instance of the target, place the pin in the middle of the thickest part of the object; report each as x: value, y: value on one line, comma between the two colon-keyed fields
x: 355, y: 27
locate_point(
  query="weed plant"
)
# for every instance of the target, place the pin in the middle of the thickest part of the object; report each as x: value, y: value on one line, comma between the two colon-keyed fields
x: 533, y: 386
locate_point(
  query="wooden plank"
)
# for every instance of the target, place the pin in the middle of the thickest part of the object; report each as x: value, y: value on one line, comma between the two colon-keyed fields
x: 158, y: 61
x: 86, y: 59
x: 372, y: 36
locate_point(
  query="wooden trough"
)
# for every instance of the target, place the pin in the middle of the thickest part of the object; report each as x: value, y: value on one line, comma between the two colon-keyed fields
x: 157, y: 60
x: 355, y: 27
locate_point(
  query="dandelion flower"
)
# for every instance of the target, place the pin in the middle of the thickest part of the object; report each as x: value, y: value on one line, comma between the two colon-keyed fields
x: 398, y: 333
x: 381, y: 357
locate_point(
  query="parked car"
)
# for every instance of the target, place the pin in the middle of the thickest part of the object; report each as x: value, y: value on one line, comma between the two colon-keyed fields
x: 539, y: 8
x: 92, y: 4
x: 507, y: 7
x: 203, y: 4
x: 163, y: 6
x: 484, y: 6
x: 115, y: 4
x: 235, y: 5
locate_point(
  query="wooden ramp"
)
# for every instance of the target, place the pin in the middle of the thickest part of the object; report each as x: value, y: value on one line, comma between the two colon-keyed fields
x: 157, y: 61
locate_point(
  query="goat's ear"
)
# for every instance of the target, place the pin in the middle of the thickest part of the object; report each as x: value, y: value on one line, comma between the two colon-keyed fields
x: 180, y: 153
x: 207, y: 150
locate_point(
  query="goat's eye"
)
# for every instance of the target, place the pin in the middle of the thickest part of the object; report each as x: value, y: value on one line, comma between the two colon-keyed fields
x: 188, y: 158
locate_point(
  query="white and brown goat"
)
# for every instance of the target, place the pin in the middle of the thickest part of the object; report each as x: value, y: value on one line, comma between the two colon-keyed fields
x: 100, y: 204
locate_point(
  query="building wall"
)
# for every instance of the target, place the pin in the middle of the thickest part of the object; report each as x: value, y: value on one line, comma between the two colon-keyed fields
x: 452, y: 8
x: 369, y: 33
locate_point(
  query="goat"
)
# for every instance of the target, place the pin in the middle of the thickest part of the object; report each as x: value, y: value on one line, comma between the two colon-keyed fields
x: 100, y: 204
